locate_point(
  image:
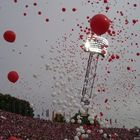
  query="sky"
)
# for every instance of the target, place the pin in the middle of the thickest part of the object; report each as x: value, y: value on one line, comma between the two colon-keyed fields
x: 48, y: 58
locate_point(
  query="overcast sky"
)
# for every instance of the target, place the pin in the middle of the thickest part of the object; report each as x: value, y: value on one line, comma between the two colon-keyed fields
x: 48, y: 57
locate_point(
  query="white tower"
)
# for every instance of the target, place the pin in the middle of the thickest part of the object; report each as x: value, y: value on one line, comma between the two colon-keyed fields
x: 96, y: 46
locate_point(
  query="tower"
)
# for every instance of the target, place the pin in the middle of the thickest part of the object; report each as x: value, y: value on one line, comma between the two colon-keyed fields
x: 96, y: 46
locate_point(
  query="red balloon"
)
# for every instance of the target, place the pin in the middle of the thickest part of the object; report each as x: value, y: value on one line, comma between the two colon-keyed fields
x: 13, y: 76
x: 12, y: 138
x: 9, y: 36
x: 99, y: 24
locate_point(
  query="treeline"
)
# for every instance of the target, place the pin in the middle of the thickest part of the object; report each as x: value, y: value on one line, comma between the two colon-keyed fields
x: 15, y: 105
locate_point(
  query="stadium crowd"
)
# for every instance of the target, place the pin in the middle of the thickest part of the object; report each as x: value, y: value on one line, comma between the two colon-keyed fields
x: 27, y: 128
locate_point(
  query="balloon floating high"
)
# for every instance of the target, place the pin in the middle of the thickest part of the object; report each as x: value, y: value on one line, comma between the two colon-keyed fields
x: 9, y: 36
x: 99, y: 24
x: 13, y: 76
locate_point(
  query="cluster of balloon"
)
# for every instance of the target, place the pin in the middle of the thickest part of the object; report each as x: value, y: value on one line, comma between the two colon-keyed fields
x: 9, y: 36
x: 99, y: 24
x: 13, y: 76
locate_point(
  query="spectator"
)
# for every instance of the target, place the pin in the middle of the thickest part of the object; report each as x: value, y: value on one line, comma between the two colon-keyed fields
x: 27, y: 128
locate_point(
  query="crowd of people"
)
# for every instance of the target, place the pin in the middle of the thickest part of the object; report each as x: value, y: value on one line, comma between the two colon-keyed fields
x: 27, y: 128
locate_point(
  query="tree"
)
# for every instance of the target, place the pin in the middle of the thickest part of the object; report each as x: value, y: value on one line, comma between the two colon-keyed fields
x: 15, y: 105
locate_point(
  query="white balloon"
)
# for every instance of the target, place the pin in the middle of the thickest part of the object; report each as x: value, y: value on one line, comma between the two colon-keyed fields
x: 82, y: 111
x: 67, y: 90
x: 107, y: 125
x: 82, y: 103
x: 86, y: 97
x: 79, y: 121
x: 78, y: 134
x: 90, y: 118
x: 85, y: 107
x: 75, y: 105
x: 64, y: 107
x: 105, y: 135
x: 90, y: 106
x: 72, y: 120
x: 69, y: 104
x: 74, y: 101
x: 53, y: 94
x: 67, y: 120
x: 101, y: 123
x: 68, y: 96
x: 92, y: 122
x: 56, y: 84
x: 82, y: 131
x: 81, y: 127
x: 100, y: 131
x: 71, y: 97
x: 83, y: 136
x: 88, y: 131
x: 108, y: 107
x: 79, y: 95
x: 78, y: 129
x: 86, y: 135
x: 62, y: 83
x: 54, y: 101
x: 90, y: 99
x: 76, y: 138
x: 79, y: 117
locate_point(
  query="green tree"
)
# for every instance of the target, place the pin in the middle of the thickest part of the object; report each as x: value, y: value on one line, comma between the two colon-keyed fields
x: 15, y: 105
